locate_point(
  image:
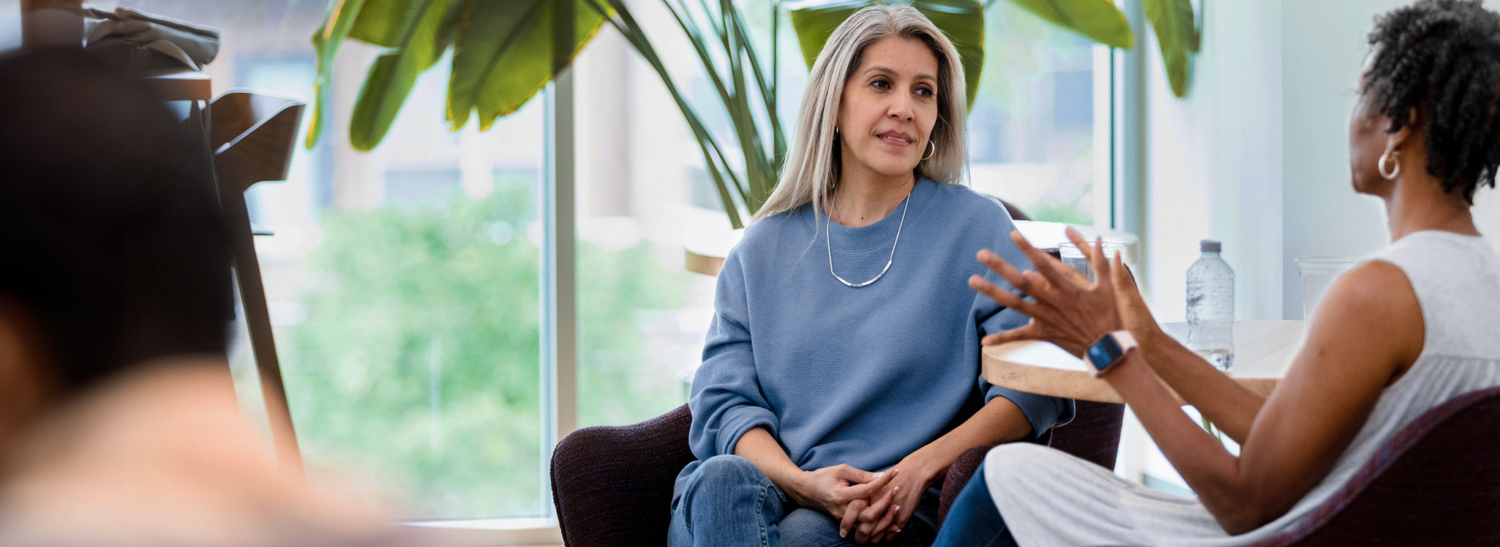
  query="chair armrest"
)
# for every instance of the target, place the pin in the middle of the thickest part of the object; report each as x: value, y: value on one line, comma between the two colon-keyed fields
x: 958, y: 476
x: 613, y: 485
x: 1094, y: 433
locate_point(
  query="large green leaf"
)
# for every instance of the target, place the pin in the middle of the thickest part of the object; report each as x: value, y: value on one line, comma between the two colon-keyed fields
x: 392, y: 76
x: 455, y: 19
x: 326, y: 41
x: 1177, y: 34
x: 1097, y: 20
x: 961, y: 20
x: 384, y: 22
x: 504, y: 54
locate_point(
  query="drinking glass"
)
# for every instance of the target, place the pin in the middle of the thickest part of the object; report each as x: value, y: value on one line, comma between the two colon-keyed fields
x: 1073, y: 256
x: 1318, y: 274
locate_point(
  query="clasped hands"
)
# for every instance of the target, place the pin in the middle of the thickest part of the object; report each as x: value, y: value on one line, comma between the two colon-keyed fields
x: 1065, y: 308
x: 872, y: 506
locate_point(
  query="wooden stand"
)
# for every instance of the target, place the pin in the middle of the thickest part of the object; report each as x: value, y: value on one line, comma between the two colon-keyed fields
x: 252, y: 138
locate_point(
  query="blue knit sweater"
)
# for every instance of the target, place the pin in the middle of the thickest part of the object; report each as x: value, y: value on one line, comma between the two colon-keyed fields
x: 862, y: 376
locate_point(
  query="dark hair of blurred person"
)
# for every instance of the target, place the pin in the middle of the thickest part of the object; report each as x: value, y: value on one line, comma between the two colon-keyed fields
x: 118, y: 419
x: 113, y: 252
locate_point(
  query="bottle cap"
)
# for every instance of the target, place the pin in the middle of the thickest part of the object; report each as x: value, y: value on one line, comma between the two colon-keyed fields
x: 1209, y: 246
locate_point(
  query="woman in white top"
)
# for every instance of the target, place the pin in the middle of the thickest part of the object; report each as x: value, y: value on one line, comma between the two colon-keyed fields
x: 1394, y: 337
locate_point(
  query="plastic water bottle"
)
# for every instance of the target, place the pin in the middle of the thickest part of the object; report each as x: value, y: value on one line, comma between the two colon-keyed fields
x: 1210, y: 307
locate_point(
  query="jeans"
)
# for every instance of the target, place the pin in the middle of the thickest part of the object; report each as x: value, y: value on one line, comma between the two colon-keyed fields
x: 729, y: 501
x: 973, y: 520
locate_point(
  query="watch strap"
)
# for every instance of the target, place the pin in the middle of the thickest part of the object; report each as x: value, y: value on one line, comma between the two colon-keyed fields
x: 1109, y: 351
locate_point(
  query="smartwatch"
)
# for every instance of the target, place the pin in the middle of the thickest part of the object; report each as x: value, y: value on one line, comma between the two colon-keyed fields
x: 1109, y: 351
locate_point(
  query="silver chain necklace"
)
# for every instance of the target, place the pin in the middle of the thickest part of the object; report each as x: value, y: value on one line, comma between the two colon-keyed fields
x: 829, y: 240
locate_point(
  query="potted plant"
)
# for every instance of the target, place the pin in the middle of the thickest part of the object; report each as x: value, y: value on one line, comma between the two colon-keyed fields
x: 507, y: 51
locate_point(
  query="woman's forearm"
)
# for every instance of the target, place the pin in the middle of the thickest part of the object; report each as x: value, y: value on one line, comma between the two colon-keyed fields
x: 1230, y: 406
x: 1208, y: 468
x: 758, y: 446
x: 999, y: 421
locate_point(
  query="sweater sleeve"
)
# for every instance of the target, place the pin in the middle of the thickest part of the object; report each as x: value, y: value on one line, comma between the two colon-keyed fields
x: 726, y: 397
x: 1042, y: 411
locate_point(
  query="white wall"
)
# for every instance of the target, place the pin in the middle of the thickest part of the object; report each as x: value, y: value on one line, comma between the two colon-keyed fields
x: 1213, y: 160
x: 1212, y: 169
x: 1323, y: 48
x: 1487, y: 215
x: 1256, y: 154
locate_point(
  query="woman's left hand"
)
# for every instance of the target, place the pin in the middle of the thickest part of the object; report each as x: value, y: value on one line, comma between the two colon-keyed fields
x: 1068, y: 309
x: 880, y: 523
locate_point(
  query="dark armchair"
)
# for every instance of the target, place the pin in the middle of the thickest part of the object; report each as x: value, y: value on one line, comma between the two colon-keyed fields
x: 1093, y: 435
x: 1436, y: 482
x: 613, y: 485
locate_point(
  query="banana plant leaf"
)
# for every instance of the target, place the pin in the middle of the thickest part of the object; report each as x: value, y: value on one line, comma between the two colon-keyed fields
x: 384, y: 22
x: 1097, y: 20
x: 1178, y: 35
x: 326, y: 42
x: 962, y: 20
x: 503, y: 55
x: 394, y: 74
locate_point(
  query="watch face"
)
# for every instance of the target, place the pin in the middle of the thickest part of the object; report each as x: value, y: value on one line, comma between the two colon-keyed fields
x: 1104, y: 352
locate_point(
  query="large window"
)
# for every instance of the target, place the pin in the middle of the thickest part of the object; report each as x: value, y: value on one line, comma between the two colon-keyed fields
x: 641, y: 184
x: 1036, y: 137
x: 408, y: 286
x: 403, y: 283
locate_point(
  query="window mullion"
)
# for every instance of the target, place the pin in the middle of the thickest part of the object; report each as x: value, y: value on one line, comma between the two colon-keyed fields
x: 559, y: 351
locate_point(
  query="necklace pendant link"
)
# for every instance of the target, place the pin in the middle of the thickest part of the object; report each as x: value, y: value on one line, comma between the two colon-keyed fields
x: 829, y: 239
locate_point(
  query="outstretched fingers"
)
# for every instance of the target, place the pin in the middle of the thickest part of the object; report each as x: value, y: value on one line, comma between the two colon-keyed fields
x: 1002, y: 268
x: 1056, y: 273
x: 1028, y: 332
x: 1097, y: 260
x: 1124, y: 281
x: 1001, y: 296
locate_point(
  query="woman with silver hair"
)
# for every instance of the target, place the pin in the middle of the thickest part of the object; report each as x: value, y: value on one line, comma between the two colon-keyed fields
x: 832, y: 396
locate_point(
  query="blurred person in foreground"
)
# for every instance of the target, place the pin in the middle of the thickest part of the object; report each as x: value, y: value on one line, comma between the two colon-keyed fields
x: 1398, y: 335
x: 118, y: 419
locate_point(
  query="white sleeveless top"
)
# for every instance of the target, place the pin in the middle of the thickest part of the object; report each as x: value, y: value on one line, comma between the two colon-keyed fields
x: 1048, y: 497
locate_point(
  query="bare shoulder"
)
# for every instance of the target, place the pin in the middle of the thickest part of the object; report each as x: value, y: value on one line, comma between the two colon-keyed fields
x: 1374, y: 292
x: 1373, y: 306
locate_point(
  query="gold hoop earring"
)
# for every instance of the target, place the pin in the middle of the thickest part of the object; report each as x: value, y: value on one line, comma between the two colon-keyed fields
x: 1393, y: 157
x: 931, y: 149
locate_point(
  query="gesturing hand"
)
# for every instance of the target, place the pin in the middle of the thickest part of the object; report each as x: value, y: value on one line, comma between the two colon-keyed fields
x: 1068, y: 309
x: 1134, y: 312
x: 841, y: 491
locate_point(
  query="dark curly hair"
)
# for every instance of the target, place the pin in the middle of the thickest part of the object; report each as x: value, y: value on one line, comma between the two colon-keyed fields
x: 1442, y: 58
